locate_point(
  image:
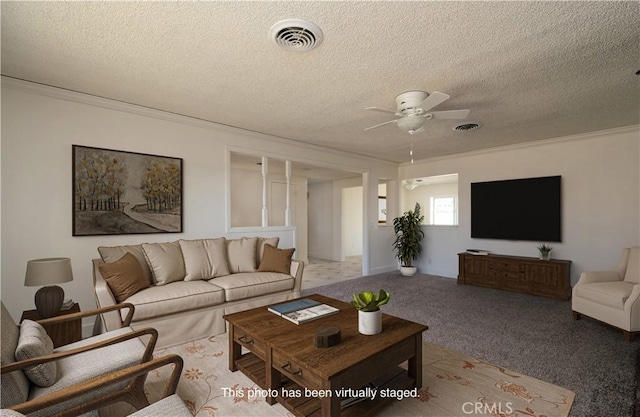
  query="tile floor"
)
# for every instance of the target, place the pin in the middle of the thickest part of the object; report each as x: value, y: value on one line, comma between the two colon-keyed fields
x: 320, y: 272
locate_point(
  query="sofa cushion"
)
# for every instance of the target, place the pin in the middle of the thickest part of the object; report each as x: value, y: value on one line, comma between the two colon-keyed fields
x: 175, y: 297
x: 14, y: 385
x: 252, y: 284
x: 242, y: 254
x: 33, y: 343
x: 124, y: 276
x: 165, y: 261
x: 633, y: 266
x: 612, y: 294
x: 204, y: 258
x: 276, y: 260
x: 113, y: 253
x: 273, y: 241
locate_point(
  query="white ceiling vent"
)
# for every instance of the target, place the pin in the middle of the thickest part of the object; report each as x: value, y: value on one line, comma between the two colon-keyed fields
x: 296, y: 35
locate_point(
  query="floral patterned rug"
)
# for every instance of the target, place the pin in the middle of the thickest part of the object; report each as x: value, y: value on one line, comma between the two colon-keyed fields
x: 453, y: 385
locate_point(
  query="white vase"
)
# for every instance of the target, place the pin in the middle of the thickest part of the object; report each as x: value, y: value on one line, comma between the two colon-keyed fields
x: 408, y: 271
x: 545, y: 256
x: 370, y: 322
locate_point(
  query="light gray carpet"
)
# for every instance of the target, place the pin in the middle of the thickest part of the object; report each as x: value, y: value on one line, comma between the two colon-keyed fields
x: 533, y: 335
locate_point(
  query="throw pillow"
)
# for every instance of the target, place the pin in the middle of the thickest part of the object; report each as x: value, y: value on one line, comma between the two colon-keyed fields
x: 165, y: 261
x: 113, y: 253
x: 273, y: 241
x: 204, y: 259
x: 125, y: 276
x: 276, y: 260
x: 35, y: 342
x: 242, y: 254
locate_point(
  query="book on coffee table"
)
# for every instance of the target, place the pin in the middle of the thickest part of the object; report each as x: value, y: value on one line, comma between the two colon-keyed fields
x: 310, y: 313
x: 295, y: 305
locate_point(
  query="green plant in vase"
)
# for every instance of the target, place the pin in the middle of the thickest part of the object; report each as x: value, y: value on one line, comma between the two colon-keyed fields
x: 409, y: 235
x: 545, y: 251
x: 369, y: 313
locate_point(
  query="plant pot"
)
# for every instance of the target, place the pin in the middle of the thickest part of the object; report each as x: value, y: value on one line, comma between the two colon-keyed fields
x: 370, y: 322
x: 545, y: 256
x: 408, y: 271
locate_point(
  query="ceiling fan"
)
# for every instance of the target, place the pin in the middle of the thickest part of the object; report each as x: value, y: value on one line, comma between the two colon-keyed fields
x: 413, y: 108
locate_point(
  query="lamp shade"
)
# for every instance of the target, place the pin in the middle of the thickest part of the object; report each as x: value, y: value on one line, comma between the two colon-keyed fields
x: 48, y: 271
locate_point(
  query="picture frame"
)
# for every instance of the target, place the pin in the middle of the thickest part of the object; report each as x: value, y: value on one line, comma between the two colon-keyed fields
x: 119, y: 192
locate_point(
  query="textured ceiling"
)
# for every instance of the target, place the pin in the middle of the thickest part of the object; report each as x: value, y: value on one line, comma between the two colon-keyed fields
x: 526, y: 70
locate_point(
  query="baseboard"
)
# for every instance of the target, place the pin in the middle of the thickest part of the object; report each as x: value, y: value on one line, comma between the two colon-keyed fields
x: 383, y: 269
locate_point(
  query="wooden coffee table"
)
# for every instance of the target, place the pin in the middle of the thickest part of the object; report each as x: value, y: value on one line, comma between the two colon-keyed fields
x: 282, y: 359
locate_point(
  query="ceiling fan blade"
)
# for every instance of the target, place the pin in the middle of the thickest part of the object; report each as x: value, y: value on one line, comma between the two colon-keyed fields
x: 433, y: 100
x: 451, y: 114
x: 382, y: 124
x: 380, y: 110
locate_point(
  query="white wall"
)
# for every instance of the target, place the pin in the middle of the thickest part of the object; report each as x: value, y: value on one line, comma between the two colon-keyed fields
x: 352, y: 221
x: 600, y: 198
x: 39, y: 125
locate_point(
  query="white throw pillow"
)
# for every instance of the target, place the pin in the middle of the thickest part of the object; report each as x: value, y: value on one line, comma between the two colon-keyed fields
x: 633, y: 266
x: 33, y: 343
x: 242, y: 254
x: 165, y: 261
x: 204, y: 258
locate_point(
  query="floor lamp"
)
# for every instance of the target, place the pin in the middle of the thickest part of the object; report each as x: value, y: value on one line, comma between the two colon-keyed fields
x: 46, y: 272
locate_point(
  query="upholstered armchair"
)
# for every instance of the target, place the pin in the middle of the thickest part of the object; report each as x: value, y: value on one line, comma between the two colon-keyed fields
x: 612, y: 297
x: 32, y: 369
x: 170, y: 404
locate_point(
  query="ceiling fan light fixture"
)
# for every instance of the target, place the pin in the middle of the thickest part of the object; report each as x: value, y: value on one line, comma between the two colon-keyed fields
x: 411, y: 124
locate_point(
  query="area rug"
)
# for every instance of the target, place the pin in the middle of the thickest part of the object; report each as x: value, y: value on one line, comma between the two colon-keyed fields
x: 453, y: 385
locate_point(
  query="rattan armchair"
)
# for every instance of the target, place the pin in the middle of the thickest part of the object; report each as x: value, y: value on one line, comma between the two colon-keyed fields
x: 170, y: 403
x: 75, y: 363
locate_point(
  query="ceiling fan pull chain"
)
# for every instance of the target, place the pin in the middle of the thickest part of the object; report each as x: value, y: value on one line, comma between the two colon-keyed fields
x: 411, y: 151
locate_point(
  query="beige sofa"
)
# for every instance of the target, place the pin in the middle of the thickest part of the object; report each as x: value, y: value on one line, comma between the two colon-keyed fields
x: 184, y: 288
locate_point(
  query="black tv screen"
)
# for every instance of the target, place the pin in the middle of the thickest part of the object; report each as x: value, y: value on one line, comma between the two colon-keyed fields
x: 519, y: 209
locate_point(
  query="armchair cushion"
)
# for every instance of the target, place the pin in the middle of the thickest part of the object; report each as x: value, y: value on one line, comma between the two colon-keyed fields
x: 84, y: 366
x: 633, y: 266
x: 35, y: 342
x: 125, y: 276
x: 15, y: 385
x: 612, y: 294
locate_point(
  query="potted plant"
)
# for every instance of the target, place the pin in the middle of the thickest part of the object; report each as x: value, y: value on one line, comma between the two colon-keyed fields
x: 545, y: 251
x: 369, y: 313
x: 408, y: 241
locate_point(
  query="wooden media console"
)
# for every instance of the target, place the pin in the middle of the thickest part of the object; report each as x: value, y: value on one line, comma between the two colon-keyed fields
x: 550, y: 278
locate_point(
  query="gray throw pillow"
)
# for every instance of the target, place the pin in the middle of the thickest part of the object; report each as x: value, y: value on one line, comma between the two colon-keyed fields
x: 33, y: 343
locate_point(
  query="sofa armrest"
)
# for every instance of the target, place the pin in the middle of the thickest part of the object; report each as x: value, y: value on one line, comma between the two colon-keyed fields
x: 599, y: 276
x: 297, y: 267
x: 104, y: 298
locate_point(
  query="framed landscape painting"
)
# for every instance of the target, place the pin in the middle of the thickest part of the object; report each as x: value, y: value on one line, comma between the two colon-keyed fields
x: 117, y: 192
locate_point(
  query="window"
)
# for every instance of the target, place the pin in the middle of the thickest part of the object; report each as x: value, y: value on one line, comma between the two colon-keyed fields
x: 443, y: 211
x: 438, y: 198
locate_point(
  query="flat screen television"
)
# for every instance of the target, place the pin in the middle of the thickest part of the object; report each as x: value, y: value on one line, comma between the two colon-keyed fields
x: 518, y: 209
